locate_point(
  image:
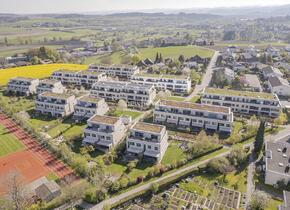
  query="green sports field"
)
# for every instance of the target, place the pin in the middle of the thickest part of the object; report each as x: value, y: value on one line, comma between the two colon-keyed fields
x: 8, y: 142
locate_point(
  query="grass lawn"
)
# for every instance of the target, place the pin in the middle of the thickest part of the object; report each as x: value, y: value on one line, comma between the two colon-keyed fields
x: 134, y: 114
x: 17, y: 104
x: 8, y: 142
x: 273, y: 204
x: 194, y: 188
x: 167, y: 52
x: 175, y: 52
x: 234, y: 180
x: 175, y: 98
x: 52, y: 176
x: 36, y: 71
x: 194, y: 99
x: 173, y: 153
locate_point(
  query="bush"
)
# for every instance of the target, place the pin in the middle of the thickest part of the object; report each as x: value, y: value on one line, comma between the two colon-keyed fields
x: 154, y: 187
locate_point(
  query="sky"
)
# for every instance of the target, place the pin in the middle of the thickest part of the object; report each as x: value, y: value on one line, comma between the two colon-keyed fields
x: 80, y: 6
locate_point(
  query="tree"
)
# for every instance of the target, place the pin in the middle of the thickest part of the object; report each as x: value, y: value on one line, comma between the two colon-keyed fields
x: 259, y: 201
x: 281, y: 120
x: 6, y: 41
x: 154, y: 187
x: 16, y: 195
x: 181, y: 59
x: 156, y: 58
x: 160, y: 58
x: 131, y: 165
x: 135, y: 59
x: 122, y: 105
x: 259, y: 140
x: 220, y: 165
x: 237, y: 156
x: 35, y: 60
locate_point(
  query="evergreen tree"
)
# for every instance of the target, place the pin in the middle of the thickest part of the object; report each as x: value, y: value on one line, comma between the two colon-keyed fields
x: 259, y: 140
x: 181, y: 59
x: 157, y: 58
x: 160, y: 58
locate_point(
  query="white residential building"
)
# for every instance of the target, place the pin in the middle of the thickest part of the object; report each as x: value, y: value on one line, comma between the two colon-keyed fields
x: 279, y: 86
x: 277, y: 161
x: 187, y: 115
x: 87, y: 106
x: 55, y: 104
x: 271, y: 71
x: 122, y: 71
x: 175, y: 83
x: 243, y: 102
x: 82, y: 78
x: 150, y: 140
x: 48, y: 85
x: 104, y: 131
x: 22, y: 86
x: 139, y: 96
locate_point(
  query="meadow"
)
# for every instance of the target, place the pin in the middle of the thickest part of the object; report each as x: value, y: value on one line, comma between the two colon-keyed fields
x: 36, y: 71
x: 167, y: 52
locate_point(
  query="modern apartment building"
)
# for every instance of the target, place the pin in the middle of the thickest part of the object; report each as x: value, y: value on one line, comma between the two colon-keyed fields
x: 137, y: 96
x: 88, y: 105
x: 149, y: 140
x: 121, y: 71
x: 187, y: 115
x: 48, y: 85
x: 22, y: 86
x: 55, y: 104
x: 176, y: 83
x: 82, y: 78
x: 243, y: 102
x: 277, y: 161
x: 104, y: 132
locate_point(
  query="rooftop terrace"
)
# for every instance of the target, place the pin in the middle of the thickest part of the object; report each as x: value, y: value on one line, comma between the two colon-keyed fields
x: 146, y: 127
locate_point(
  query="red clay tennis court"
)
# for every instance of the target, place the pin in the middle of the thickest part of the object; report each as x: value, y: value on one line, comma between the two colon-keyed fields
x: 33, y: 163
x: 23, y: 163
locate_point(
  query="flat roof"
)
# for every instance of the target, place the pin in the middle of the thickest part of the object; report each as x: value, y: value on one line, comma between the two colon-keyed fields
x: 169, y: 76
x: 89, y: 72
x: 104, y: 119
x: 227, y: 92
x: 195, y: 106
x: 89, y: 98
x: 148, y: 127
x: 49, y: 81
x: 128, y: 85
x: 253, y: 81
x: 278, y: 157
x: 56, y: 95
x: 112, y: 66
x: 24, y: 79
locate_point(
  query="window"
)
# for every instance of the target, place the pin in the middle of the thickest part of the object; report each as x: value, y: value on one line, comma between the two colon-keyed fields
x: 138, y: 145
x: 149, y: 146
x: 156, y: 148
x: 93, y: 135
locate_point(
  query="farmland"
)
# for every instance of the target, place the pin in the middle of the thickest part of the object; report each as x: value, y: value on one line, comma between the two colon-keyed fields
x: 37, y: 71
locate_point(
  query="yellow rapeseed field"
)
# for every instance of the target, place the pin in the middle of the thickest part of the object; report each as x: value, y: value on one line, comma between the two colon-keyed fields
x: 36, y: 71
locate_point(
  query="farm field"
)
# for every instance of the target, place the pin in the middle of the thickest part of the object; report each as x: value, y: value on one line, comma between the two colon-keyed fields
x: 167, y: 52
x: 8, y: 142
x: 36, y: 71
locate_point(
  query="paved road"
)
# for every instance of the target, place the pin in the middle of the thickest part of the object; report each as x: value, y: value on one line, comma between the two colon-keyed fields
x: 206, y: 77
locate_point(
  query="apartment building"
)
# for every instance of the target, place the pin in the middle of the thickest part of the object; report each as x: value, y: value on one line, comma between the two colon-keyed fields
x: 149, y: 140
x: 277, y: 161
x: 87, y: 106
x: 243, y: 102
x: 82, y: 78
x: 136, y: 95
x: 22, y: 86
x: 48, y: 85
x: 121, y: 71
x: 55, y: 104
x: 176, y: 83
x: 187, y: 115
x: 104, y: 132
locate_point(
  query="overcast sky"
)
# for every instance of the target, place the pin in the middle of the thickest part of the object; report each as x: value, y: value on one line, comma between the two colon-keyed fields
x: 56, y: 6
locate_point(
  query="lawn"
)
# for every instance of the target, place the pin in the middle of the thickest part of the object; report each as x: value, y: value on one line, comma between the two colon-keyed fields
x: 36, y: 71
x: 173, y: 153
x: 167, y: 52
x: 8, y: 142
x: 175, y: 52
x: 273, y: 204
x: 17, y: 104
x: 195, y: 99
x: 175, y: 98
x: 134, y: 114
